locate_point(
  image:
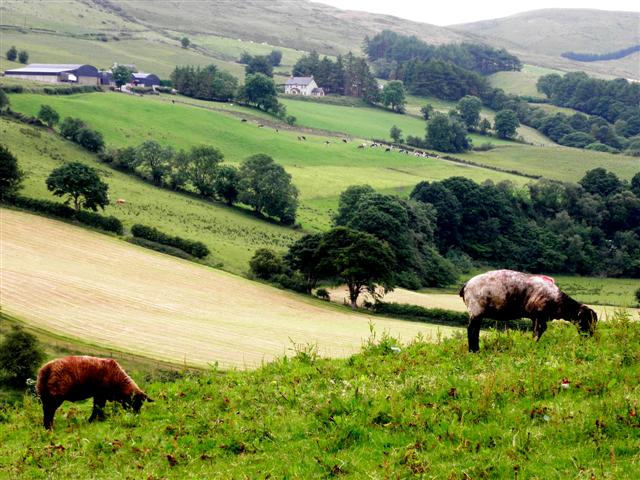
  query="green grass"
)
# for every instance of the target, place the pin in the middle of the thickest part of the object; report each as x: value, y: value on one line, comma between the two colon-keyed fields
x: 231, y: 234
x: 128, y: 120
x: 431, y: 411
x: 522, y: 82
x: 600, y: 291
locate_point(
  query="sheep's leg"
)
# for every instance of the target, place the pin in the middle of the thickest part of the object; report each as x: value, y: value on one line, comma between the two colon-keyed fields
x: 473, y: 333
x: 98, y: 409
x: 49, y: 407
x: 539, y: 327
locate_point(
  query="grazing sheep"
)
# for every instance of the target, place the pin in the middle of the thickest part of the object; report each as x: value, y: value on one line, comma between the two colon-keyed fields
x: 81, y: 377
x: 120, y: 201
x: 509, y: 295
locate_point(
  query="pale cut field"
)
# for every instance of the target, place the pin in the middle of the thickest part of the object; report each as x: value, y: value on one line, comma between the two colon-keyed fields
x: 449, y: 301
x: 103, y: 291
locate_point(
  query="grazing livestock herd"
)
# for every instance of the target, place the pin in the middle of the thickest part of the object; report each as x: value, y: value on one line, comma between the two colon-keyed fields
x: 499, y: 295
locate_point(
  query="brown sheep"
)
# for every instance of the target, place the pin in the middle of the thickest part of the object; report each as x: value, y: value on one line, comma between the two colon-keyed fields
x: 509, y: 295
x: 80, y: 377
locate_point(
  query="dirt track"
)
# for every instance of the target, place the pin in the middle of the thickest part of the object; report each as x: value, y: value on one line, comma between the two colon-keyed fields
x: 102, y: 290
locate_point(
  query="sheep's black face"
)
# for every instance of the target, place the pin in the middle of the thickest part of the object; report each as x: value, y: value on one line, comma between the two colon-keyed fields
x: 137, y: 400
x: 587, y: 320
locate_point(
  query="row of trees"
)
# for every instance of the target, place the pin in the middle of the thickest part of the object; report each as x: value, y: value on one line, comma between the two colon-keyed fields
x: 592, y: 228
x: 13, y: 54
x: 389, y: 50
x: 261, y: 63
x: 597, y: 57
x: 348, y: 75
x: 259, y: 183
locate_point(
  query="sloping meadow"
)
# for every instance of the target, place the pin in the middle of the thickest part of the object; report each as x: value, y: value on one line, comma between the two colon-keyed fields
x: 566, y: 407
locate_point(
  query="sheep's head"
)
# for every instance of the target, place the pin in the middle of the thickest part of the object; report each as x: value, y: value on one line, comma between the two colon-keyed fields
x: 587, y: 320
x: 135, y: 401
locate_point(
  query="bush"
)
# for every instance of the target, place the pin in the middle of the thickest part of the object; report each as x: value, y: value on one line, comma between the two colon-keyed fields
x: 291, y: 281
x: 20, y: 357
x: 484, y: 147
x: 90, y: 139
x: 638, y: 296
x: 60, y: 210
x: 415, y: 312
x: 195, y: 248
x: 601, y: 147
x: 10, y: 174
x: 266, y: 264
x: 158, y: 247
x: 323, y: 293
x: 415, y: 141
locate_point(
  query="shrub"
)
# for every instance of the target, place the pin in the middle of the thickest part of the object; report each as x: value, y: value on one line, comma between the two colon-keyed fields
x: 195, y: 248
x: 10, y: 174
x: 291, y: 281
x: 20, y: 357
x: 415, y: 141
x: 266, y: 264
x: 415, y: 312
x: 90, y: 139
x: 484, y: 147
x: 158, y: 247
x: 601, y: 147
x: 60, y: 210
x: 323, y: 293
x: 638, y: 296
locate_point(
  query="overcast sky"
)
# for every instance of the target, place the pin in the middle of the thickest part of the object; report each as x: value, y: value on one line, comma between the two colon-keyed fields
x: 456, y: 11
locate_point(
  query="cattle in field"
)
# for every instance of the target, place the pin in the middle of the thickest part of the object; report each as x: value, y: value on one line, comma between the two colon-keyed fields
x: 80, y: 377
x: 509, y: 295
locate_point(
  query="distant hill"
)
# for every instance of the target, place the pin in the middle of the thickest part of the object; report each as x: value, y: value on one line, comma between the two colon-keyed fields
x: 541, y: 36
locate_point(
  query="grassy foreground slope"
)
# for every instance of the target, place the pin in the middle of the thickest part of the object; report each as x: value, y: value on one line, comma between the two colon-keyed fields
x: 565, y: 407
x: 101, y: 290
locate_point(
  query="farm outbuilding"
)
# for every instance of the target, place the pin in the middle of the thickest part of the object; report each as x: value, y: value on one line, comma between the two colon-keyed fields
x: 57, y: 73
x: 145, y: 79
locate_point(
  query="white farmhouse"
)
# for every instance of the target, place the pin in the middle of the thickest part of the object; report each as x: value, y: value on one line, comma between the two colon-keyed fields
x: 303, y: 86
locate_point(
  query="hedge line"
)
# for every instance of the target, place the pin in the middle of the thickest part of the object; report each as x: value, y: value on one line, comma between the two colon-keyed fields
x: 65, y: 90
x: 195, y: 248
x: 437, y: 315
x: 109, y: 224
x: 158, y: 247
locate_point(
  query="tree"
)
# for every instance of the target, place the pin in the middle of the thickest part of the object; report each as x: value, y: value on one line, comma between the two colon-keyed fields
x: 202, y: 168
x: 185, y: 42
x: 393, y: 95
x: 259, y: 64
x: 80, y: 183
x: 446, y: 134
x: 90, y: 139
x: 359, y: 259
x: 506, y: 123
x: 304, y: 256
x: 427, y: 111
x: 20, y: 357
x: 484, y: 126
x: 4, y: 100
x: 638, y: 296
x: 23, y: 56
x: 48, y: 115
x: 226, y: 183
x: 469, y: 109
x: 265, y: 264
x: 349, y: 200
x: 156, y: 158
x: 260, y: 90
x: 635, y: 184
x: 10, y: 174
x: 275, y: 57
x: 396, y: 134
x: 121, y: 76
x: 12, y: 53
x: 600, y: 182
x: 70, y: 128
x: 266, y: 187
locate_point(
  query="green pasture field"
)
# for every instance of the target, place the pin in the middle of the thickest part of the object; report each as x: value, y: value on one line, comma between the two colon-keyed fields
x: 232, y: 234
x: 320, y: 171
x: 563, y: 407
x: 600, y: 291
x: 522, y: 82
x: 151, y: 53
x: 558, y: 163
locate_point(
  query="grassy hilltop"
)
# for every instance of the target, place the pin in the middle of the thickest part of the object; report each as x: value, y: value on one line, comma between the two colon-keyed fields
x: 424, y: 410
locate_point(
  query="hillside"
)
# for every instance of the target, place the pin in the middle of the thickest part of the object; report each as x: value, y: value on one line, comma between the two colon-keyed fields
x: 565, y: 407
x: 161, y: 307
x: 540, y: 36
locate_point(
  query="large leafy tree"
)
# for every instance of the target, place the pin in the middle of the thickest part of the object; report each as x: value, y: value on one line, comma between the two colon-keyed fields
x: 266, y: 187
x: 359, y: 259
x: 446, y: 134
x: 599, y: 181
x: 81, y: 184
x: 121, y: 75
x: 155, y: 158
x: 393, y: 95
x: 506, y: 123
x: 260, y: 90
x: 20, y: 357
x: 48, y: 115
x: 469, y: 110
x: 304, y: 256
x: 259, y: 64
x: 226, y: 183
x: 10, y: 174
x: 12, y: 53
x: 202, y: 168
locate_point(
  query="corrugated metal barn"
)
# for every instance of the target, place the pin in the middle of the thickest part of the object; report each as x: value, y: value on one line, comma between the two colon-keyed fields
x: 145, y: 79
x: 57, y: 73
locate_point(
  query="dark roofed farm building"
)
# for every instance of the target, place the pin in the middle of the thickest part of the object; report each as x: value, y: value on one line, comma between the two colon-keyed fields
x: 57, y: 73
x: 145, y: 79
